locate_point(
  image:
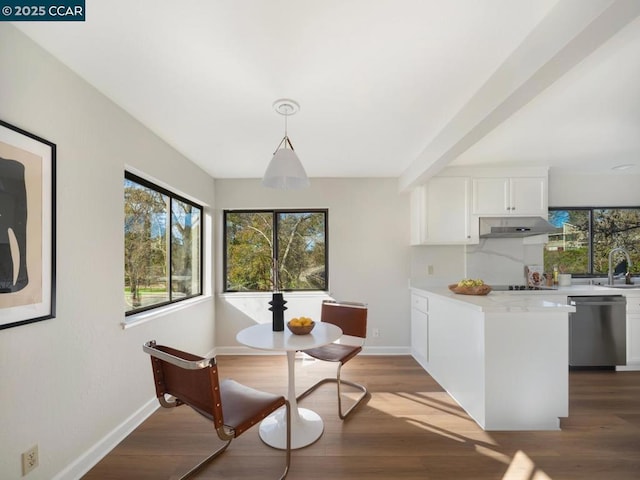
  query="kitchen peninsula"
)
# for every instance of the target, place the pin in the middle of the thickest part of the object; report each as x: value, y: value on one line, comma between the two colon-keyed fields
x: 503, y: 358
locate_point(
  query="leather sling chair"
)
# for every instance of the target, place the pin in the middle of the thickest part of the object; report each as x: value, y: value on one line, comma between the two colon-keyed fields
x: 352, y: 319
x: 232, y: 407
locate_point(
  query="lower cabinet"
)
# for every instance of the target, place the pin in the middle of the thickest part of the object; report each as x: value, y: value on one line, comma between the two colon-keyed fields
x: 420, y: 329
x: 507, y: 368
x: 633, y: 332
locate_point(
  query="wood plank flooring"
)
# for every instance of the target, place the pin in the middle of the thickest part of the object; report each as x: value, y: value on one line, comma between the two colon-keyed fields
x: 409, y: 428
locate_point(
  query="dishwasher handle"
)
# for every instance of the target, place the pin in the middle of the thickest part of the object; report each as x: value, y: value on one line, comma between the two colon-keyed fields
x: 595, y: 304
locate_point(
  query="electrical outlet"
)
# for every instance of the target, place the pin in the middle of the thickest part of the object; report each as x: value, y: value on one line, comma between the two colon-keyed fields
x: 376, y: 332
x: 429, y: 269
x: 29, y: 460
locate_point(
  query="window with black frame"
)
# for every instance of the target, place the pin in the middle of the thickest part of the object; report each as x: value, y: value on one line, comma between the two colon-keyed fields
x: 586, y: 235
x: 162, y: 244
x: 257, y: 240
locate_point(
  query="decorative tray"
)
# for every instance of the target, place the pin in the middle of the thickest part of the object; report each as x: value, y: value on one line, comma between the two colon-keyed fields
x: 479, y: 290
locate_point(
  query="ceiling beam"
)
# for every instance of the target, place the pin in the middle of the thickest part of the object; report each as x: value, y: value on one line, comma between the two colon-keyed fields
x: 571, y: 31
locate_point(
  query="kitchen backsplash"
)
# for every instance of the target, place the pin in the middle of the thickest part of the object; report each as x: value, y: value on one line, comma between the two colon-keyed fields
x: 495, y: 260
x: 502, y: 260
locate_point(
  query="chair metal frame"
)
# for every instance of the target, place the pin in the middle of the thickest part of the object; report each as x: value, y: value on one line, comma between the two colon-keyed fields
x: 352, y: 324
x: 214, y: 412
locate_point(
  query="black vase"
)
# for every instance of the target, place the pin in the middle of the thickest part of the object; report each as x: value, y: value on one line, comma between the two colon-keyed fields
x: 278, y: 308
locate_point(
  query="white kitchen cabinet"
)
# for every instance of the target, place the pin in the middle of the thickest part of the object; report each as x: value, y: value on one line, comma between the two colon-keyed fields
x: 505, y: 366
x: 633, y: 331
x: 420, y: 328
x: 440, y: 212
x: 510, y: 196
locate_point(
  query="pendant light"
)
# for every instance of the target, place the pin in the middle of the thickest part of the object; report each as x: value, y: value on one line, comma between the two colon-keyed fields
x: 285, y: 171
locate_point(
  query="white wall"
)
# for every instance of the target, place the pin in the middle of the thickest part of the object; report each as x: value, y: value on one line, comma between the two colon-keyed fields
x: 70, y: 384
x: 368, y: 253
x: 446, y: 262
x: 618, y: 189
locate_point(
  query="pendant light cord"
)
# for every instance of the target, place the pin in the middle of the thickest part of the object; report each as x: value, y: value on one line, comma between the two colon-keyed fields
x: 286, y: 116
x: 285, y: 108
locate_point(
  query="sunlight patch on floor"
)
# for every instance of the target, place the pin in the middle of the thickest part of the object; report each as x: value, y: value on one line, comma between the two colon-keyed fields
x: 436, y: 430
x: 438, y: 402
x: 440, y: 416
x: 523, y: 468
x: 488, y: 452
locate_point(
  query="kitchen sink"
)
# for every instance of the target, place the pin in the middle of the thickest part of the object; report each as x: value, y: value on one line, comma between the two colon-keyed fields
x: 622, y: 285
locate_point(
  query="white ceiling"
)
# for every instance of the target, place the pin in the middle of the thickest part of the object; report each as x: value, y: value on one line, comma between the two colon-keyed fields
x: 396, y: 88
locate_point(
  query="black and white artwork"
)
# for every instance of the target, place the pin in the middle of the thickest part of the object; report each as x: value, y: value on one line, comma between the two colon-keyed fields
x: 13, y: 227
x: 27, y: 227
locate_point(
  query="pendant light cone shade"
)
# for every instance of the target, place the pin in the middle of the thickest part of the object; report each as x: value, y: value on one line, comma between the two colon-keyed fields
x: 285, y: 171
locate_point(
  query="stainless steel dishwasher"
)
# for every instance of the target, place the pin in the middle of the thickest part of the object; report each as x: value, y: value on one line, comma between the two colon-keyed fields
x: 598, y: 331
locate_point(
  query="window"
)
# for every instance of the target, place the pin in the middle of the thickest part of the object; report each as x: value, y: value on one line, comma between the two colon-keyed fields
x: 162, y: 246
x: 586, y: 236
x: 256, y: 240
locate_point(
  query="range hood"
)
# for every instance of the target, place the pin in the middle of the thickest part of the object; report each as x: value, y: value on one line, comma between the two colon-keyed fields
x: 514, y: 227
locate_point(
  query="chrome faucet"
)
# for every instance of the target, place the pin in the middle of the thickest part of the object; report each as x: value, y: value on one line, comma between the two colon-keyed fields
x: 613, y: 250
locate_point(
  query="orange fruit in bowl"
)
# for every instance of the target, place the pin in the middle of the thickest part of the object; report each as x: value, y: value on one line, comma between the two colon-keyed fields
x: 301, y: 325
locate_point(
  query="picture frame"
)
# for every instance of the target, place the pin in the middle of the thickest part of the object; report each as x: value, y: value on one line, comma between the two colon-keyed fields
x: 27, y: 227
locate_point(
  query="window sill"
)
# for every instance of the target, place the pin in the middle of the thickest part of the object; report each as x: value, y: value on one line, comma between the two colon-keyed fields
x: 144, y: 317
x: 298, y: 294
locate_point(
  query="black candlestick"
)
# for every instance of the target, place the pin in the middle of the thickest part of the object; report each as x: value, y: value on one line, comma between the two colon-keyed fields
x: 278, y: 308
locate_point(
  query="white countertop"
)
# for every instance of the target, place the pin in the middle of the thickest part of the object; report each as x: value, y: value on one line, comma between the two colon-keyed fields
x: 576, y: 290
x: 525, y: 300
x: 498, y: 302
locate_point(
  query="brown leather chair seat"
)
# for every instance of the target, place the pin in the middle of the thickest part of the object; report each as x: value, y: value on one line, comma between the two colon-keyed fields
x: 232, y: 407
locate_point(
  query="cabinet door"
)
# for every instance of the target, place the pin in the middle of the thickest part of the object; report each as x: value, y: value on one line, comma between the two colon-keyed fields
x: 633, y: 330
x: 420, y: 336
x: 447, y: 217
x: 491, y: 196
x: 633, y: 339
x: 528, y: 196
x: 420, y: 328
x: 510, y: 196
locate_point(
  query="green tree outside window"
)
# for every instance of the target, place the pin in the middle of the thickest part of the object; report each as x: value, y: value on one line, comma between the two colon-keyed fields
x: 295, y: 241
x: 162, y: 244
x: 585, y: 236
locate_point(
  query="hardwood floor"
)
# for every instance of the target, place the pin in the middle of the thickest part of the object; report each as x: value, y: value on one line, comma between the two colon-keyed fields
x: 408, y: 429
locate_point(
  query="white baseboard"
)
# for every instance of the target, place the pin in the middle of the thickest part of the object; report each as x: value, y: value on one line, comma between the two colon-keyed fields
x: 367, y: 350
x: 97, y: 452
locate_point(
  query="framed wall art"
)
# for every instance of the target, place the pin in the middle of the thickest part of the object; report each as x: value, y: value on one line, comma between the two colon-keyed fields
x: 27, y: 227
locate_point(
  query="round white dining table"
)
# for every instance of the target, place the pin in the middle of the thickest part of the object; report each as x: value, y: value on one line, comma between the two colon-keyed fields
x: 306, y: 425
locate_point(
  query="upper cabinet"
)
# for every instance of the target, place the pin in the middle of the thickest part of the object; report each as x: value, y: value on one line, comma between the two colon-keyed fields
x: 446, y: 210
x: 510, y: 196
x: 440, y: 212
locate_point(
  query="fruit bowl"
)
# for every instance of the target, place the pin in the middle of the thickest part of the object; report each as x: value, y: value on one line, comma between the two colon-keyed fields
x: 300, y: 326
x: 470, y: 290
